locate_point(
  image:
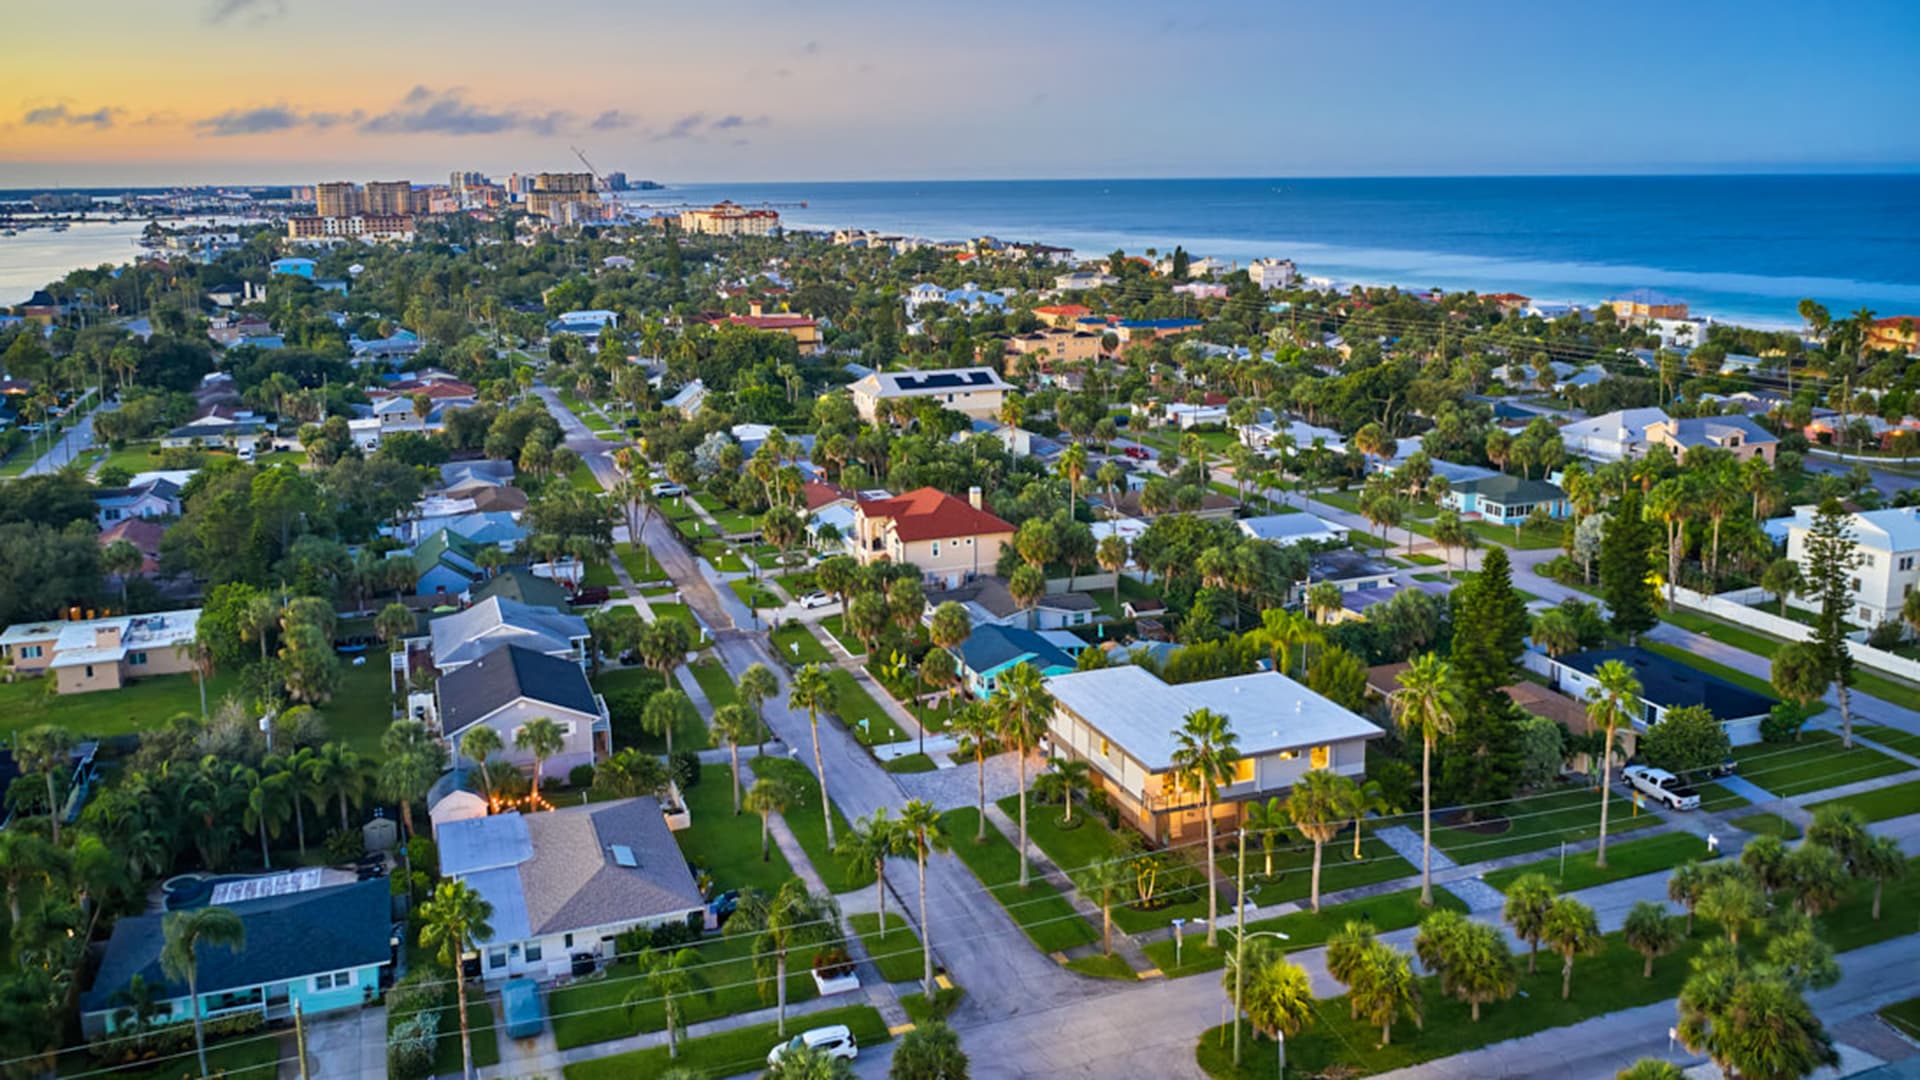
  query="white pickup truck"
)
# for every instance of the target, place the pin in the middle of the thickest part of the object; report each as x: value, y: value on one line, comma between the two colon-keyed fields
x: 1662, y: 786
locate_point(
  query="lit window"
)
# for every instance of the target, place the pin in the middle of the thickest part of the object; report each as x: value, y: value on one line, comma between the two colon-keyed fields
x: 1242, y: 771
x: 1106, y: 748
x: 1320, y: 757
x: 1288, y: 755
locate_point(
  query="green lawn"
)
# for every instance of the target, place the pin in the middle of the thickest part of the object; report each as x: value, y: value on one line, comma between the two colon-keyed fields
x: 1046, y: 917
x: 725, y: 845
x: 1540, y: 821
x: 1130, y: 589
x: 722, y: 555
x: 1716, y: 797
x: 447, y: 1057
x: 1887, y: 802
x: 729, y: 1053
x: 135, y: 457
x: 582, y: 479
x: 691, y: 734
x: 735, y: 523
x: 1885, y: 687
x: 797, y: 646
x: 1624, y: 860
x: 599, y: 573
x: 1813, y: 763
x: 898, y: 955
x: 666, y: 609
x: 1304, y: 929
x: 840, y: 875
x: 1101, y: 966
x: 755, y: 596
x: 852, y: 704
x: 1904, y: 1015
x: 835, y: 626
x: 640, y: 562
x: 921, y: 1011
x: 1893, y: 738
x: 249, y: 1057
x: 724, y: 983
x: 911, y: 763
x: 714, y: 681
x: 1765, y: 824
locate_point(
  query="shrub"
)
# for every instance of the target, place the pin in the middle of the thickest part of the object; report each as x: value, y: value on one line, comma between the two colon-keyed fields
x: 580, y: 776
x: 1782, y: 724
x: 410, y: 1046
x: 425, y: 989
x: 684, y: 767
x: 672, y: 935
x: 1889, y: 634
x: 832, y: 963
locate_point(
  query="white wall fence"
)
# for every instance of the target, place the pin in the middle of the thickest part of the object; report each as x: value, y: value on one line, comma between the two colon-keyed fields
x: 1737, y: 607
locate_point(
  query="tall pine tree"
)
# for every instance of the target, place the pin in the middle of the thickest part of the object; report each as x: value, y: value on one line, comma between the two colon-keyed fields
x: 1830, y: 558
x: 1626, y: 564
x: 1481, y: 762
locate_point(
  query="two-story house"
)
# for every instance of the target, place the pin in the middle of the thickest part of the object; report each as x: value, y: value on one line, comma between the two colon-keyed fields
x: 509, y: 687
x: 1737, y: 434
x: 156, y: 497
x: 1888, y: 546
x: 103, y: 654
x: 972, y: 391
x: 1123, y: 721
x: 951, y: 540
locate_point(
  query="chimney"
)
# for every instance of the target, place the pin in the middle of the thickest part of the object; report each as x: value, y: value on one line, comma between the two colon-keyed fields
x: 753, y: 308
x: 973, y: 497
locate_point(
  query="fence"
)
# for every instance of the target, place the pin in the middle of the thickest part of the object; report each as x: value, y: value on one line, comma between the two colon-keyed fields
x: 1735, y: 608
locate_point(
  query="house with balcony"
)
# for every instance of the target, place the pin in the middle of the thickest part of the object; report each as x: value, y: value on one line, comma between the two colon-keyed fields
x: 311, y: 942
x: 564, y: 884
x: 1123, y: 722
x: 951, y: 540
x: 103, y: 654
x: 510, y: 686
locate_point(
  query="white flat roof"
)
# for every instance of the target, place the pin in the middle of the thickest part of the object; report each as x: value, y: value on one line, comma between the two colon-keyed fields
x: 1141, y: 714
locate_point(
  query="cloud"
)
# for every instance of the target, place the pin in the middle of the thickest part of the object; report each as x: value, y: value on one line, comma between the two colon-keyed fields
x: 267, y: 119
x: 425, y: 111
x: 613, y: 120
x: 60, y: 115
x: 811, y: 48
x: 258, y: 11
x: 697, y: 126
x: 687, y: 127
x: 735, y: 120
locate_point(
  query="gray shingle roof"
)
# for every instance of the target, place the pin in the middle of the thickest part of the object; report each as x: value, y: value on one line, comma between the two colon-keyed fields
x: 505, y: 675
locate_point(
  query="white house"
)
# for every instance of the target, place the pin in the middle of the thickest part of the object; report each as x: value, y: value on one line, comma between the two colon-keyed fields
x: 1889, y: 550
x: 1286, y: 530
x: 1617, y: 436
x: 1666, y: 685
x: 1271, y: 274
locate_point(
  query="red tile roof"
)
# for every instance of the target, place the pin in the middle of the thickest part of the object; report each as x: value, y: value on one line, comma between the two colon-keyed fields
x: 932, y: 514
x: 142, y: 534
x: 819, y: 494
x: 1072, y: 310
x: 762, y: 322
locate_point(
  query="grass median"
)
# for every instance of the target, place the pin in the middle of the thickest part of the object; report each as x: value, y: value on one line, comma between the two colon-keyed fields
x: 729, y: 1053
x: 1041, y: 911
x: 1304, y: 929
x: 1624, y: 860
x: 898, y: 955
x: 839, y: 874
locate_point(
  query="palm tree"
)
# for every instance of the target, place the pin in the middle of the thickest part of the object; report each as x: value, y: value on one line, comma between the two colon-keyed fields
x: 767, y: 797
x: 25, y: 856
x: 1612, y: 703
x: 1267, y: 821
x: 1651, y: 1069
x: 270, y: 801
x: 941, y: 671
x: 1067, y: 776
x: 478, y: 745
x: 1553, y: 631
x: 1274, y: 993
x: 977, y: 724
x: 920, y: 829
x: 1280, y: 630
x: 666, y: 710
x: 258, y: 619
x: 734, y: 723
x: 1384, y: 987
x: 122, y: 559
x: 1023, y: 707
x: 183, y: 933
x: 757, y: 684
x: 1570, y: 929
x: 337, y: 772
x: 1104, y: 883
x: 1427, y: 702
x: 543, y: 738
x: 1879, y: 860
x: 395, y: 622
x: 792, y: 918
x: 874, y: 839
x: 1112, y: 555
x: 1470, y: 958
x: 1650, y: 931
x: 1685, y: 886
x: 298, y: 767
x: 1529, y: 899
x: 47, y: 750
x: 811, y: 691
x: 451, y: 921
x: 1347, y: 952
x: 414, y: 760
x: 1733, y: 901
x: 1363, y: 798
x: 1205, y: 757
x: 1323, y: 599
x: 669, y: 977
x: 1317, y: 806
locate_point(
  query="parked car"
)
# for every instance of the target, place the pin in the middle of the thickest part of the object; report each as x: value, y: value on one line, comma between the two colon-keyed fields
x: 835, y: 1042
x: 667, y: 489
x: 1138, y: 453
x: 1662, y: 786
x: 815, y: 599
x: 592, y: 594
x: 723, y: 906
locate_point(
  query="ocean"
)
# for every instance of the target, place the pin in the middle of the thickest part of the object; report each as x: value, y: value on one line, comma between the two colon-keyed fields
x: 1741, y: 248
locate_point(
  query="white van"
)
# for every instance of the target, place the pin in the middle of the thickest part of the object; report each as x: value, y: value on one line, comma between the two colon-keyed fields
x: 835, y: 1042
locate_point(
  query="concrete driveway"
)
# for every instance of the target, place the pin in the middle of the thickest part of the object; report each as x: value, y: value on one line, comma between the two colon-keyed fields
x: 350, y: 1043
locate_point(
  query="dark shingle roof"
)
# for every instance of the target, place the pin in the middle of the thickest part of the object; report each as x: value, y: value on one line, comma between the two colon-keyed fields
x: 988, y: 647
x: 523, y: 585
x: 505, y: 674
x: 288, y: 937
x: 1670, y: 684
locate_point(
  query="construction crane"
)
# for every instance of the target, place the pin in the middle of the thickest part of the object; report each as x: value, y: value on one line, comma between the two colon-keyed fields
x: 597, y: 178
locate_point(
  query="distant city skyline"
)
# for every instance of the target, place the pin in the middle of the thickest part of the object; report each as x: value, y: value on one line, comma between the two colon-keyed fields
x: 272, y: 91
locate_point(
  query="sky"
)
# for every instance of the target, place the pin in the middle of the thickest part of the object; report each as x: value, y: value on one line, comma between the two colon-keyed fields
x: 158, y: 92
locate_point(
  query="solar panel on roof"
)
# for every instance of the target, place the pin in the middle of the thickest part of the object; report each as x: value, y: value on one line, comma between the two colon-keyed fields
x: 623, y: 855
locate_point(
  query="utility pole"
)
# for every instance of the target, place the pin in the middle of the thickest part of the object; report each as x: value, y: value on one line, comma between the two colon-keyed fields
x: 300, y: 1038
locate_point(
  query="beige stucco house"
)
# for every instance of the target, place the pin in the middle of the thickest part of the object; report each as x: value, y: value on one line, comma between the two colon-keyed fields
x: 951, y: 540
x: 972, y: 391
x: 103, y: 654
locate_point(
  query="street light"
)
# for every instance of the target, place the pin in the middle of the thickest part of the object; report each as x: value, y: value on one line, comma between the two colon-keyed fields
x: 1240, y: 937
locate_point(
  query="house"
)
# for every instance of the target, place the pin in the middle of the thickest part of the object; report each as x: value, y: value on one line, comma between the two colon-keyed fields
x: 1127, y: 505
x: 465, y: 636
x: 1888, y: 545
x: 103, y: 654
x: 1082, y: 280
x: 1665, y: 685
x: 1644, y: 304
x: 1616, y: 436
x: 1506, y: 500
x: 311, y: 942
x: 993, y: 650
x: 1897, y: 333
x: 567, y: 883
x: 1296, y: 435
x: 969, y: 298
x: 294, y: 267
x: 1350, y: 570
x: 1271, y: 274
x: 510, y: 685
x: 520, y: 585
x: 951, y: 540
x: 154, y: 498
x: 973, y: 391
x: 143, y: 533
x: 1052, y: 346
x: 584, y: 323
x: 1061, y: 316
x: 1136, y: 330
x: 491, y: 528
x: 1201, y: 290
x: 1123, y: 722
x: 804, y: 331
x: 688, y: 399
x: 1738, y: 434
x: 988, y: 603
x: 217, y: 433
x: 452, y: 798
x: 388, y: 350
x: 445, y: 564
x: 1285, y: 530
x: 1186, y: 415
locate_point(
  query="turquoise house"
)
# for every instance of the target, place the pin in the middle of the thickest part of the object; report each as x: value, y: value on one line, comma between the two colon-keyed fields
x: 993, y: 650
x: 1507, y: 500
x: 296, y: 267
x: 320, y: 946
